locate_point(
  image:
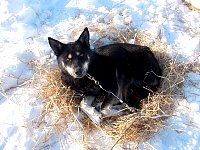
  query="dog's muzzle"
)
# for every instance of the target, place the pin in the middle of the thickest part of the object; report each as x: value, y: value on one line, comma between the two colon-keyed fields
x: 76, y: 71
x: 79, y: 73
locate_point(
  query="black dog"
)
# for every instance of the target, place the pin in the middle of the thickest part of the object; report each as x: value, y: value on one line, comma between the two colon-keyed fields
x: 125, y: 72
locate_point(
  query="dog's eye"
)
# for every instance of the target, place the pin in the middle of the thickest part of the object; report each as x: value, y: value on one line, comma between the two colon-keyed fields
x: 69, y: 56
x: 79, y: 54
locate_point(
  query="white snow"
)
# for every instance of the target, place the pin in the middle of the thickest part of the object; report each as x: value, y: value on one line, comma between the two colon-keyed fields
x: 24, y: 28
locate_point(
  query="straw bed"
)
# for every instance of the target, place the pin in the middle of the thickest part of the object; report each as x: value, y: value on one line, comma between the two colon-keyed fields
x: 142, y: 125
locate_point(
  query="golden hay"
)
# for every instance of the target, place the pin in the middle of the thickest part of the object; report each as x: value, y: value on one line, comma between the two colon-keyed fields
x: 143, y: 124
x: 136, y: 126
x: 60, y: 102
x: 191, y: 6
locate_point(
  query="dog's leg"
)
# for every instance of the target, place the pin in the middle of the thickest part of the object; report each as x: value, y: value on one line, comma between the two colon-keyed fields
x: 116, y: 97
x: 114, y: 105
x: 106, y: 108
x: 109, y: 101
x: 88, y: 100
x: 123, y: 83
x: 86, y: 107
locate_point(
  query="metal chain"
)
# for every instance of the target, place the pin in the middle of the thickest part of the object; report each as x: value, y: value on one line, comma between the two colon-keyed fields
x: 97, y: 83
x: 121, y: 101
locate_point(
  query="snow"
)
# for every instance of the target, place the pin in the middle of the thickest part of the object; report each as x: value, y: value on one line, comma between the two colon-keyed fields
x: 24, y: 28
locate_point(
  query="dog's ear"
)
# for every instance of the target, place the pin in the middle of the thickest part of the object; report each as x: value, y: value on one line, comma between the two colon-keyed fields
x: 56, y: 46
x: 84, y: 38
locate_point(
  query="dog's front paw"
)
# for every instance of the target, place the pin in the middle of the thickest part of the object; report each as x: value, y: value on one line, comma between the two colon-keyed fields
x: 92, y: 113
x: 108, y: 112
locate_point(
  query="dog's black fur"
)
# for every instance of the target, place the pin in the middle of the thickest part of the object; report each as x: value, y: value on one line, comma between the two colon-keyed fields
x: 129, y: 71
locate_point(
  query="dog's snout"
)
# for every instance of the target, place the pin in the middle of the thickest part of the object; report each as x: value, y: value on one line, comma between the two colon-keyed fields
x: 78, y: 71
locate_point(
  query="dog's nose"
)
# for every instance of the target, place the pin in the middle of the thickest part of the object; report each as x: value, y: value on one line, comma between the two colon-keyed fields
x: 79, y: 71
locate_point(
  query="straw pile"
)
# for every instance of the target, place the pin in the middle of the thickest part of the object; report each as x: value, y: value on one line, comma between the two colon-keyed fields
x: 136, y: 126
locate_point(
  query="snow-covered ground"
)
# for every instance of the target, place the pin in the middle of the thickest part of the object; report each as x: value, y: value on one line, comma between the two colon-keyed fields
x: 25, y: 26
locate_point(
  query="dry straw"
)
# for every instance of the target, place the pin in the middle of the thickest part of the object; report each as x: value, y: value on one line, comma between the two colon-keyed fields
x: 191, y: 6
x: 61, y: 103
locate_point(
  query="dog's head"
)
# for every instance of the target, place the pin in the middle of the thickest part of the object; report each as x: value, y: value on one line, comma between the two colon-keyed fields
x: 74, y: 57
